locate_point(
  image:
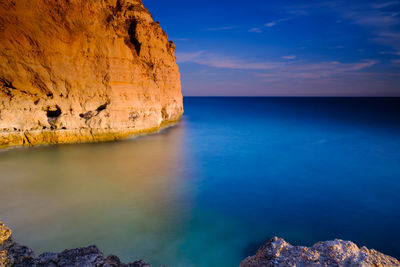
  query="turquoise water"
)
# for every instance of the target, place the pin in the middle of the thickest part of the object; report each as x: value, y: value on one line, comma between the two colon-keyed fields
x: 209, y: 191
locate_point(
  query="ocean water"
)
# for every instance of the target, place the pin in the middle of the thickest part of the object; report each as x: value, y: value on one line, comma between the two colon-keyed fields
x: 209, y: 191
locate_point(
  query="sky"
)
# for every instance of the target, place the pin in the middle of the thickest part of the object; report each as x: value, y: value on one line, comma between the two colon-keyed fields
x: 284, y: 48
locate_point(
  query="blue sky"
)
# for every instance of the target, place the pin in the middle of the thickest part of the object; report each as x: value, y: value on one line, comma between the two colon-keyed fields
x: 284, y: 48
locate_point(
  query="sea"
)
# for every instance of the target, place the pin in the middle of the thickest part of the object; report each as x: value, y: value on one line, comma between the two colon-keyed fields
x: 209, y: 191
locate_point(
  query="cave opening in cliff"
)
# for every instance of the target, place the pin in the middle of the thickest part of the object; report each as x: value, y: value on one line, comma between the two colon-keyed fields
x: 53, y: 112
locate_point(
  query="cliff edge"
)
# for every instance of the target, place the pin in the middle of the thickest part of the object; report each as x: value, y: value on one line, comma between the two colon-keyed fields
x: 83, y: 71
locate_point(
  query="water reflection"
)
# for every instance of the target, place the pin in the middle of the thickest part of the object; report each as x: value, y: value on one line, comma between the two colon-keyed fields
x: 232, y: 174
x: 126, y: 197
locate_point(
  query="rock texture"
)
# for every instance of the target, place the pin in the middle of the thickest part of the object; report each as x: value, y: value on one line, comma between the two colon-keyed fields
x: 14, y: 254
x: 83, y: 71
x: 277, y: 252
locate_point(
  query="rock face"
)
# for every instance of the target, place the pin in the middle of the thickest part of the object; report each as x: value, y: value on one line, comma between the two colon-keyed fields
x: 277, y: 252
x: 14, y: 254
x: 83, y: 71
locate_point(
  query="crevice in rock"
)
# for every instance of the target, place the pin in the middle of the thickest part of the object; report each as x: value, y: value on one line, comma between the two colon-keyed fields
x: 90, y: 114
x: 164, y: 113
x: 27, y: 138
x: 38, y: 82
x: 7, y: 83
x: 6, y: 86
x: 102, y: 107
x: 87, y: 116
x: 132, y: 36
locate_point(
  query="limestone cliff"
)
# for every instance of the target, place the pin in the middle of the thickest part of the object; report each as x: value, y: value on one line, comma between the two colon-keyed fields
x: 83, y: 71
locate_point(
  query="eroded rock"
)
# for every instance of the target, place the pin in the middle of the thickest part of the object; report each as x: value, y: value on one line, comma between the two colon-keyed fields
x: 14, y: 254
x: 83, y: 71
x: 337, y: 253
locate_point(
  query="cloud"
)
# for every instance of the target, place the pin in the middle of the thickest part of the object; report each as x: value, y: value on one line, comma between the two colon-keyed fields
x: 218, y: 61
x: 188, y: 57
x: 384, y: 4
x: 391, y: 39
x: 180, y: 39
x: 270, y: 24
x: 289, y: 57
x: 373, y: 18
x: 337, y: 47
x: 256, y: 30
x: 382, y: 18
x: 317, y: 72
x: 278, y: 70
x: 396, y: 53
x: 223, y: 28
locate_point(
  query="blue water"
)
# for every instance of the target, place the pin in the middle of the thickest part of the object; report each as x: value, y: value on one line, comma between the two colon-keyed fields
x: 209, y: 191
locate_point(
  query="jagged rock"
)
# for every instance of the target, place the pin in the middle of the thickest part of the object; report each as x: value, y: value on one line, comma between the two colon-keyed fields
x: 83, y: 71
x: 339, y: 253
x: 14, y: 254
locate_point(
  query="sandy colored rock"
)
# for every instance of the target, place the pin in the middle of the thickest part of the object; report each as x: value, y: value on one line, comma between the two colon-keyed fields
x: 339, y: 253
x: 5, y: 234
x: 83, y: 71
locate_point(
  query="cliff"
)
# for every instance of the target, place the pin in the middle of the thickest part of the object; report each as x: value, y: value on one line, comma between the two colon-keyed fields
x: 83, y: 71
x: 337, y: 253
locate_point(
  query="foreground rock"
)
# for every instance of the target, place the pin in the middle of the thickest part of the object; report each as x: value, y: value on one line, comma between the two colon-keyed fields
x: 14, y: 254
x: 277, y: 252
x: 83, y: 71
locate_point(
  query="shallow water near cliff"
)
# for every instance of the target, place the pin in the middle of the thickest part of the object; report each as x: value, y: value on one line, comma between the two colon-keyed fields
x: 212, y: 189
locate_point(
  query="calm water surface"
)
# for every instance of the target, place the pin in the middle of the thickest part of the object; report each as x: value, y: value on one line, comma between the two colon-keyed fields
x: 207, y: 192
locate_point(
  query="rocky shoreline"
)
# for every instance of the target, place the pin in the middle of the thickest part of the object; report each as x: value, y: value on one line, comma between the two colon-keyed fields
x: 276, y: 252
x: 15, y: 254
x: 337, y: 253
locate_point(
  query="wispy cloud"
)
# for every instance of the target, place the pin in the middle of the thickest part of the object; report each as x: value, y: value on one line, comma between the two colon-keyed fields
x: 222, y: 28
x: 307, y: 9
x: 256, y: 30
x: 391, y: 39
x: 188, y: 57
x: 337, y: 47
x: 218, y: 61
x: 396, y: 53
x: 289, y: 57
x: 317, y: 72
x: 180, y: 39
x: 384, y: 4
x: 373, y: 18
x: 382, y: 18
x: 270, y: 24
x: 278, y: 70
